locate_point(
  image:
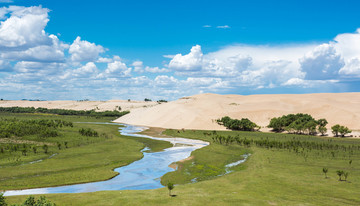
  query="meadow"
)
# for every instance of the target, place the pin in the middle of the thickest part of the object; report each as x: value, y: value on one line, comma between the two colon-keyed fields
x: 283, y: 169
x: 70, y: 157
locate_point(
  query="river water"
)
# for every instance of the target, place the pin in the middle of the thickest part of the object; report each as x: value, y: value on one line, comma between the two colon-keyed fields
x: 140, y: 175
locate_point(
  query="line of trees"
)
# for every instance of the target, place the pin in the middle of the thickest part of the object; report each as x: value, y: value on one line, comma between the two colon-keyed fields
x: 299, y: 124
x: 114, y: 113
x: 43, y: 128
x: 234, y: 124
x: 305, y: 124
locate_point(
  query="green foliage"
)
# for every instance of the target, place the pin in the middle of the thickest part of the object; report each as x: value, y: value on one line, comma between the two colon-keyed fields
x: 170, y: 187
x: 88, y: 132
x: 340, y: 174
x: 45, y: 148
x: 42, y: 201
x: 339, y: 129
x: 2, y: 200
x: 298, y: 124
x: 19, y: 128
x: 322, y: 130
x: 234, y: 124
x: 325, y: 170
x: 114, y: 113
x: 147, y: 100
x: 162, y: 101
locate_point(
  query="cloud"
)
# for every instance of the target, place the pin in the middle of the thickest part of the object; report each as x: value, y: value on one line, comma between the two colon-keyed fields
x: 82, y: 50
x: 24, y: 28
x: 188, y: 62
x: 308, y: 83
x: 156, y: 69
x: 166, y: 81
x: 207, y: 26
x: 138, y: 66
x: 35, y: 64
x: 116, y: 69
x: 104, y: 60
x: 323, y: 62
x: 243, y: 65
x: 352, y: 68
x: 5, y: 66
x: 87, y: 71
x: 223, y: 27
x: 6, y: 1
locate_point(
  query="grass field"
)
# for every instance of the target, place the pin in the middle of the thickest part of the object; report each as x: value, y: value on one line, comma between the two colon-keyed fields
x: 86, y: 159
x: 270, y: 176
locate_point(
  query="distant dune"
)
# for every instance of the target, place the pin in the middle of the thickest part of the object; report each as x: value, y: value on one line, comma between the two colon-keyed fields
x: 80, y: 105
x: 200, y: 111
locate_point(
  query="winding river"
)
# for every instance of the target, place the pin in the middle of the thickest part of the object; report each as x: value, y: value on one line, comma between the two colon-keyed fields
x: 140, y: 175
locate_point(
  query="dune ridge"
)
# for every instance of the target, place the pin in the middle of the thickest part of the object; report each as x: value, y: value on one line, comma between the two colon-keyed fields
x: 79, y: 105
x: 201, y: 111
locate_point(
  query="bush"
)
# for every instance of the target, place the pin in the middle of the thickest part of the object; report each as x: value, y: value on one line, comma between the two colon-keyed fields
x: 339, y: 129
x: 298, y: 123
x: 88, y: 132
x: 234, y: 124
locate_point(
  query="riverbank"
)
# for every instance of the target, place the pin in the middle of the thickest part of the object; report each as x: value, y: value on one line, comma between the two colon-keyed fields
x: 270, y: 176
x: 87, y: 159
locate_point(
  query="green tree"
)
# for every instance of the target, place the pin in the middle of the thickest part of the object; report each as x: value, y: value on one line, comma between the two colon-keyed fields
x: 335, y: 130
x: 30, y: 201
x: 322, y: 130
x: 344, y: 130
x: 2, y: 200
x: 45, y: 148
x: 340, y: 174
x: 322, y: 122
x: 325, y: 170
x: 346, y: 174
x: 59, y: 145
x: 170, y: 187
x: 42, y: 201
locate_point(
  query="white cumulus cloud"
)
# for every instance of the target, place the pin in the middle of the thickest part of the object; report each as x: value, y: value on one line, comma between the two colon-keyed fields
x: 82, y: 50
x: 323, y: 62
x: 188, y: 62
x: 24, y: 28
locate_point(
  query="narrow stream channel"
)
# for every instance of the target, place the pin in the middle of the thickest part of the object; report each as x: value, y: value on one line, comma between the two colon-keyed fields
x: 140, y: 175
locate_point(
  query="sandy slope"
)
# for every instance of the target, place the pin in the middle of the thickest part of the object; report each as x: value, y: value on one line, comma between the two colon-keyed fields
x: 85, y: 105
x: 200, y: 111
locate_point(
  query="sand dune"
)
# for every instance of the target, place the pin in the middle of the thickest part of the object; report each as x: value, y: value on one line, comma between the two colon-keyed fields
x: 200, y: 111
x: 80, y: 105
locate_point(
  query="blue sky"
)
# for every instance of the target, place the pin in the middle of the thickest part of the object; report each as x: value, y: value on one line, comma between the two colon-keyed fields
x: 106, y: 49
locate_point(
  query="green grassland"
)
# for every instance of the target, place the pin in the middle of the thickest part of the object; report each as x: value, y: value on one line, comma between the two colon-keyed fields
x: 283, y: 169
x: 85, y: 159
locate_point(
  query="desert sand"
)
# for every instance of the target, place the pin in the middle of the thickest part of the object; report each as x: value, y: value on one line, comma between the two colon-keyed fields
x: 201, y: 111
x: 80, y: 105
